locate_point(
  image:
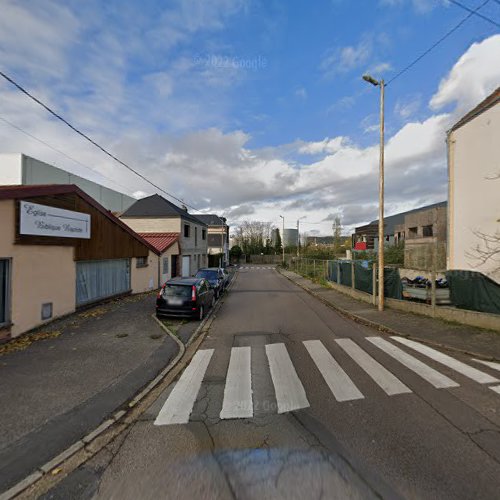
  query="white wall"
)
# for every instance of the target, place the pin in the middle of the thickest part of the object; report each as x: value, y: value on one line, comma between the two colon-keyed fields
x: 10, y: 169
x: 21, y: 169
x: 153, y: 225
x: 474, y: 200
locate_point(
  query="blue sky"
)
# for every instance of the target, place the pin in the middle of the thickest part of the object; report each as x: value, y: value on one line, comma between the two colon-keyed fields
x: 250, y: 108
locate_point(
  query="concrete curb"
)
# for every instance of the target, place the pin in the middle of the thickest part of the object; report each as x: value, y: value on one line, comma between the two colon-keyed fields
x: 382, y: 328
x: 84, y: 444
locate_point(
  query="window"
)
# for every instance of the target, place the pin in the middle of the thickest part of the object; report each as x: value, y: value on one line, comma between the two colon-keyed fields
x: 195, y: 236
x: 412, y: 232
x: 187, y: 230
x: 427, y: 231
x: 203, y: 234
x: 165, y: 265
x: 4, y: 291
x: 142, y: 262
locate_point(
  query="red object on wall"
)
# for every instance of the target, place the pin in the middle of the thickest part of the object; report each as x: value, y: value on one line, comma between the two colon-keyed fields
x: 360, y: 245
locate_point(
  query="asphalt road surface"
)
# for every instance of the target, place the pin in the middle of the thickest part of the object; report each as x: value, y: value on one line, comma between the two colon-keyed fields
x: 287, y: 399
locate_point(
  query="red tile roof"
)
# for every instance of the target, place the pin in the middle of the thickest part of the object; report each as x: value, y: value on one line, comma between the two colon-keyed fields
x: 489, y: 102
x: 15, y: 192
x: 161, y: 241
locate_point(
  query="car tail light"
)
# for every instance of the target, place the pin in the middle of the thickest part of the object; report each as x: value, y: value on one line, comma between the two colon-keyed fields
x: 193, y: 293
x: 160, y: 293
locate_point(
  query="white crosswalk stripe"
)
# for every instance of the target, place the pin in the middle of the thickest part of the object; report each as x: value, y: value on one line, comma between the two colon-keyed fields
x: 490, y: 364
x: 290, y: 393
x: 179, y: 404
x: 444, y: 359
x: 384, y: 378
x: 239, y: 399
x: 432, y: 376
x: 338, y: 381
x: 238, y: 390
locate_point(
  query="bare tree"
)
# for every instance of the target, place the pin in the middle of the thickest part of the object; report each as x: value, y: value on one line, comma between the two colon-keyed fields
x: 487, y: 251
x: 253, y: 236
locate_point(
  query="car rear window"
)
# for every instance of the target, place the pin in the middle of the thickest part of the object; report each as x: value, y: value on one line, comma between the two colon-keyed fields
x: 177, y: 291
x: 208, y: 275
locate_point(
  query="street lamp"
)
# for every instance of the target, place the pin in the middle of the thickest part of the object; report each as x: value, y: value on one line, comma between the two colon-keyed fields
x: 380, y: 84
x: 298, y: 234
x: 282, y: 240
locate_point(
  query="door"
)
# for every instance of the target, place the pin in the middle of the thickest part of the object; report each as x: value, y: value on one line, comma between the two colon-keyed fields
x: 99, y: 279
x: 165, y: 269
x: 186, y: 259
x: 173, y: 267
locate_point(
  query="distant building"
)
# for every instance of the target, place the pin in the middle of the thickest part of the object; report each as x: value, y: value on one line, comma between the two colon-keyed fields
x: 366, y: 237
x: 22, y: 170
x: 155, y: 214
x: 218, y: 235
x: 290, y: 237
x: 424, y: 234
x: 474, y: 190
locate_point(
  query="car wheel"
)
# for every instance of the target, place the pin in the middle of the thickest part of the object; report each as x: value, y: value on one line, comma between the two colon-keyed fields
x: 201, y: 314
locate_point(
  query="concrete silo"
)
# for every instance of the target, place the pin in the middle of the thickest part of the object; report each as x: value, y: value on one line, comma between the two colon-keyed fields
x: 290, y: 237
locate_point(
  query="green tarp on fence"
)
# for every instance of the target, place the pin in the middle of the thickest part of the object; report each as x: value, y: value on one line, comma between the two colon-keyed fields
x: 473, y: 290
x: 363, y: 278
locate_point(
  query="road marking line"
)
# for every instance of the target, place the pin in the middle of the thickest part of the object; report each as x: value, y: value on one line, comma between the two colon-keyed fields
x: 432, y: 376
x: 179, y: 405
x: 290, y: 393
x: 238, y: 390
x: 495, y: 388
x: 491, y: 364
x: 383, y: 377
x: 444, y: 359
x: 338, y: 381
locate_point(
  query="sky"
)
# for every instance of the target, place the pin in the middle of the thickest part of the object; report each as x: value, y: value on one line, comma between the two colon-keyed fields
x: 248, y: 108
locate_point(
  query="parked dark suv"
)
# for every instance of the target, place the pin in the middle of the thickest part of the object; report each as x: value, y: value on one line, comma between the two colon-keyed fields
x: 215, y: 276
x: 185, y: 297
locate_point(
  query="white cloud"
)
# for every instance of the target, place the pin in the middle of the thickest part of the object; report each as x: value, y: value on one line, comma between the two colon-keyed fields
x: 475, y: 75
x: 301, y: 92
x: 345, y: 59
x: 325, y: 146
x: 407, y: 107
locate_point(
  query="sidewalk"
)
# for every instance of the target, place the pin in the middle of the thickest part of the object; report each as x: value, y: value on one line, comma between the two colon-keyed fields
x: 57, y: 390
x: 467, y: 339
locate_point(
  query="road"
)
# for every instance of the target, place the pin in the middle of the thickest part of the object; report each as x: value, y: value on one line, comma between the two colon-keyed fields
x: 287, y: 399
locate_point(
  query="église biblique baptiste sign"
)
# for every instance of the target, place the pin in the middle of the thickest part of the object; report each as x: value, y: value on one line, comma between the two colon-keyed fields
x: 41, y: 220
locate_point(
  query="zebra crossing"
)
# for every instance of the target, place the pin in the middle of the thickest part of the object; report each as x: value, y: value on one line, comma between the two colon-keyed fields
x: 255, y: 268
x: 289, y: 391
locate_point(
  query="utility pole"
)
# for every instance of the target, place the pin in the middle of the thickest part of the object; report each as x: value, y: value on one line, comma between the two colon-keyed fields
x: 298, y: 238
x: 282, y: 240
x: 380, y: 84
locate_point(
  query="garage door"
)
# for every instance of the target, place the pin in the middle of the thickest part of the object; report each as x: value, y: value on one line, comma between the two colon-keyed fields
x: 99, y: 279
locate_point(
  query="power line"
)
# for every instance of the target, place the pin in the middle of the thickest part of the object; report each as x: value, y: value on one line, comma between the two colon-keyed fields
x: 87, y: 138
x: 434, y: 45
x: 59, y: 151
x: 474, y: 13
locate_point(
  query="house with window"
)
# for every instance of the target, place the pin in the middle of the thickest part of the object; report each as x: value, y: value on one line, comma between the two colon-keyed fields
x: 474, y: 190
x: 167, y: 246
x: 218, y: 238
x: 156, y: 215
x: 61, y: 250
x: 395, y: 227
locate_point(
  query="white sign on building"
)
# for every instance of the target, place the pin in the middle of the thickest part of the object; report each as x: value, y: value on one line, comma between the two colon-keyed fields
x: 41, y: 220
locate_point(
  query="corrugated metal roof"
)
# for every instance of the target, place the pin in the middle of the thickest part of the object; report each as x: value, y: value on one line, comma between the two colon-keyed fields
x: 161, y: 241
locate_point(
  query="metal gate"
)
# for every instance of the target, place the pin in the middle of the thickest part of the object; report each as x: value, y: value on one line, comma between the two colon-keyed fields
x: 99, y: 279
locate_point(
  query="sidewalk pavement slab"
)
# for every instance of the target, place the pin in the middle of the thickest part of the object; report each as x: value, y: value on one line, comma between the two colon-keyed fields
x: 60, y: 389
x: 484, y: 343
